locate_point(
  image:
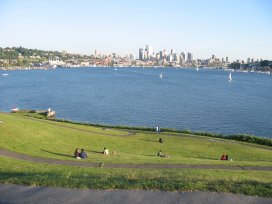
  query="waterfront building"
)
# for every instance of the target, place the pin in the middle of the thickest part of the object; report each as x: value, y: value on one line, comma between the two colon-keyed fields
x: 183, y: 56
x: 181, y: 60
x: 158, y: 56
x: 161, y: 55
x: 170, y: 58
x: 248, y: 60
x: 175, y: 57
x: 164, y: 53
x: 55, y: 61
x: 145, y: 54
x: 189, y: 57
x: 141, y: 54
x: 149, y: 51
x: 96, y: 53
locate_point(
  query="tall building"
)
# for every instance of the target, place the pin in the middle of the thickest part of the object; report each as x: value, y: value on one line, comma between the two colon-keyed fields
x: 96, y: 53
x: 183, y: 56
x: 227, y: 59
x: 170, y: 58
x: 248, y: 60
x: 189, y: 57
x: 141, y: 54
x: 161, y: 55
x: 149, y: 51
x: 164, y: 53
x: 145, y: 54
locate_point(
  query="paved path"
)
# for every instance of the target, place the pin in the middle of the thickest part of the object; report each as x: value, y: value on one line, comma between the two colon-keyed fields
x: 17, y: 194
x: 8, y: 153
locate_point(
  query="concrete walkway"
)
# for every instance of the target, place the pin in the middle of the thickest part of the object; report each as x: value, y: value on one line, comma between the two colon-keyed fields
x: 17, y: 194
x: 8, y: 153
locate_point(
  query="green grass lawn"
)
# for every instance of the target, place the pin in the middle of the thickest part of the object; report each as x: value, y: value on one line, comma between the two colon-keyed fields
x: 27, y: 173
x: 58, y: 140
x: 37, y: 138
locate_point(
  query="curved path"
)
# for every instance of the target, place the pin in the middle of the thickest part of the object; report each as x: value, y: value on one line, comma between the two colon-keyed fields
x: 8, y: 153
x: 18, y: 194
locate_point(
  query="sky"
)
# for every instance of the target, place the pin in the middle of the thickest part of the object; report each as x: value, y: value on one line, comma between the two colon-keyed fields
x: 234, y: 28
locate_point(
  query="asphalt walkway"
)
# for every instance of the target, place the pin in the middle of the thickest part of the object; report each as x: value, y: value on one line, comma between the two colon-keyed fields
x: 16, y: 194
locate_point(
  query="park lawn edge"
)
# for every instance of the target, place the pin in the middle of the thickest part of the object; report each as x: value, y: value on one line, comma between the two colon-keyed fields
x: 227, y: 181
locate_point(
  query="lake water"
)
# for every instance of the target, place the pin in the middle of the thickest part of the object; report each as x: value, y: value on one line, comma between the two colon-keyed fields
x: 201, y: 100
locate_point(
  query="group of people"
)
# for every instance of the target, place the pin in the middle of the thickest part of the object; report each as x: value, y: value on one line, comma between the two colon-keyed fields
x: 225, y: 157
x: 80, y: 154
x: 83, y: 155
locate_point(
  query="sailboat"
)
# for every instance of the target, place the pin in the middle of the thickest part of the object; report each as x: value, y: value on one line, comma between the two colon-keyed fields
x: 197, y: 69
x: 230, y: 79
x: 161, y: 75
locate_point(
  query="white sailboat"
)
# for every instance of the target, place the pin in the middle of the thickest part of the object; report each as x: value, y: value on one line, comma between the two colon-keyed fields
x: 230, y: 79
x: 197, y: 69
x: 161, y: 75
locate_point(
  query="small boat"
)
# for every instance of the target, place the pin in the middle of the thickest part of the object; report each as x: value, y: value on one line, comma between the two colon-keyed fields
x: 5, y: 74
x: 197, y: 69
x: 14, y: 110
x: 161, y: 75
x: 230, y: 79
x: 115, y: 69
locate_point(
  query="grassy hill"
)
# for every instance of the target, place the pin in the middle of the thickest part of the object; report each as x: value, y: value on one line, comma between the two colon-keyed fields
x: 56, y: 140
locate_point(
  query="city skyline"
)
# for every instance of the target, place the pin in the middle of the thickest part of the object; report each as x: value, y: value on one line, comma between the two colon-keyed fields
x: 239, y: 30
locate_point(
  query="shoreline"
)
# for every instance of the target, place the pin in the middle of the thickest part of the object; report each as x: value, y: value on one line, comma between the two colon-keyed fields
x: 132, y: 67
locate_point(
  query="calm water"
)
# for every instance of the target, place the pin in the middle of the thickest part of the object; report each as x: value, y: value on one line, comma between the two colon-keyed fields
x: 183, y: 98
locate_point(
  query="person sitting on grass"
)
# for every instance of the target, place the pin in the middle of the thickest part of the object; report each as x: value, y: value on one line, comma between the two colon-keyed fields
x: 160, y: 140
x: 223, y: 157
x: 160, y: 154
x: 83, y: 154
x: 77, y: 154
x: 105, y: 151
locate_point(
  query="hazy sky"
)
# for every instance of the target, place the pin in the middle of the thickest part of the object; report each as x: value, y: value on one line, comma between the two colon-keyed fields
x: 234, y: 28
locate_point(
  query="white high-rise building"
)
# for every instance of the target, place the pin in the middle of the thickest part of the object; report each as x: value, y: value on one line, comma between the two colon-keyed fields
x: 149, y: 51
